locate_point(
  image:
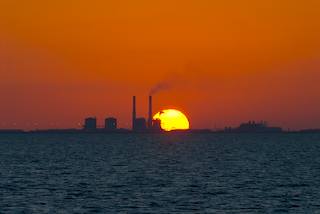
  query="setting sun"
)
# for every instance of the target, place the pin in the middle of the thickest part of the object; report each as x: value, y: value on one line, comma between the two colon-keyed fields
x: 172, y: 119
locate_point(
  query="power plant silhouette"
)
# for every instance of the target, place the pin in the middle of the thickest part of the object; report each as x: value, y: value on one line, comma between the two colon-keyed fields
x: 149, y: 125
x: 143, y: 125
x: 139, y: 124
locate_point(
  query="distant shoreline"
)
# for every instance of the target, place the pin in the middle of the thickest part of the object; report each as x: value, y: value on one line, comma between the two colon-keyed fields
x: 127, y: 131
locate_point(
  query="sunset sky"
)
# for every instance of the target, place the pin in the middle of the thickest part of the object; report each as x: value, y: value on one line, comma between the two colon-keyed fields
x: 220, y: 62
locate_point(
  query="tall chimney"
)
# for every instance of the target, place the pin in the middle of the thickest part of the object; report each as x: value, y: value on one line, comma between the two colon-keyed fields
x: 134, y: 113
x: 150, y: 113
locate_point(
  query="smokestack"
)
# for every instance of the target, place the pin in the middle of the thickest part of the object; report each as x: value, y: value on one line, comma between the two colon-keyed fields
x: 134, y: 113
x: 150, y: 113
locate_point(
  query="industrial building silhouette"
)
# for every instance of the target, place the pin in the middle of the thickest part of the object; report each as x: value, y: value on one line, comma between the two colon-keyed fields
x: 139, y: 124
x: 143, y: 125
x: 90, y: 123
x: 254, y: 127
x: 110, y: 123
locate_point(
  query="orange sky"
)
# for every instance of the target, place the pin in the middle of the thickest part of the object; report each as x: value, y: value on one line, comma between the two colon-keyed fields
x: 224, y: 61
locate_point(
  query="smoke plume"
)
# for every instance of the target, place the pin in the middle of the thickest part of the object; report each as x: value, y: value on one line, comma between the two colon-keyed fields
x: 162, y: 86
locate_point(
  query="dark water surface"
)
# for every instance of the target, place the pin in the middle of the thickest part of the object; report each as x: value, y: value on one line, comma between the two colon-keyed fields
x: 200, y: 173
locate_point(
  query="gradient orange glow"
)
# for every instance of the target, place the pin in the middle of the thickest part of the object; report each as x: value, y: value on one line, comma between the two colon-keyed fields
x: 61, y: 61
x: 172, y: 119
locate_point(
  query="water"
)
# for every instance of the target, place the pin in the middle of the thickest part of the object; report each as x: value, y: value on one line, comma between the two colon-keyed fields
x: 199, y: 173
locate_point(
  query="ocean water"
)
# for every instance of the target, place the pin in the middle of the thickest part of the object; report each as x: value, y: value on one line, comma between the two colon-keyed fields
x: 172, y: 173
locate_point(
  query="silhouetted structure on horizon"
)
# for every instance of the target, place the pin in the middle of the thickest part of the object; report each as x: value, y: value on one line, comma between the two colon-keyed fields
x: 134, y: 113
x: 254, y: 127
x: 150, y: 114
x: 141, y: 124
x: 90, y: 124
x: 156, y: 125
x: 110, y: 124
x: 138, y: 124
